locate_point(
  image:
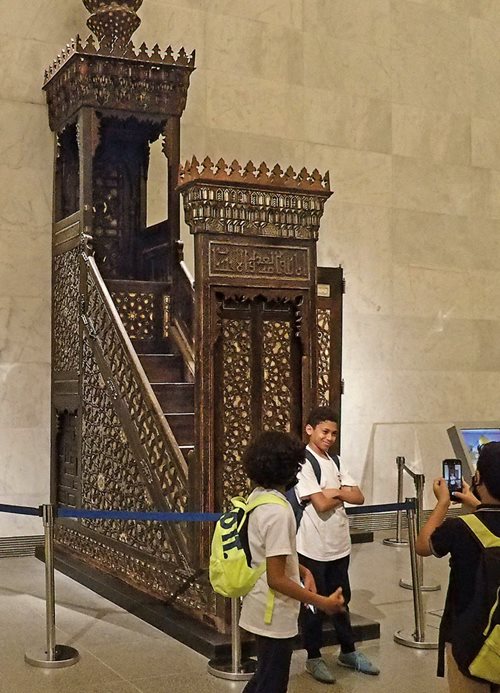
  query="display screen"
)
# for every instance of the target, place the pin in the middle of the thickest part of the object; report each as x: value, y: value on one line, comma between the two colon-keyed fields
x: 475, y: 437
x: 466, y: 440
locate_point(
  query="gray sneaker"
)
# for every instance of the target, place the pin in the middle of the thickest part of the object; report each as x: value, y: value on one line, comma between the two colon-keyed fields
x: 319, y: 671
x: 358, y: 661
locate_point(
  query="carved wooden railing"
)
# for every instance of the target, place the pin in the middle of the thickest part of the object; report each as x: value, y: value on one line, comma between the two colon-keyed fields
x: 110, y: 367
x: 113, y: 447
x: 145, y: 423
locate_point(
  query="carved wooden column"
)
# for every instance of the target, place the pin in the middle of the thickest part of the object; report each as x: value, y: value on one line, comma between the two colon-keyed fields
x: 255, y: 234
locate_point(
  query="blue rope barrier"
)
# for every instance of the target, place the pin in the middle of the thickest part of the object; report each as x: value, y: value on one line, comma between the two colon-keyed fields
x: 20, y: 510
x: 76, y: 513
x: 133, y: 515
x: 386, y: 508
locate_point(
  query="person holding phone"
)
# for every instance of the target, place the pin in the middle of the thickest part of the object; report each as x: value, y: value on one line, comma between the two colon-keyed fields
x: 440, y: 536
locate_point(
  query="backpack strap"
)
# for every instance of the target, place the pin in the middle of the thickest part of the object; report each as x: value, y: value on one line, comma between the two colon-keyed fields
x: 241, y: 503
x: 336, y: 459
x: 263, y: 499
x: 485, y: 537
x: 315, y: 464
x: 268, y: 613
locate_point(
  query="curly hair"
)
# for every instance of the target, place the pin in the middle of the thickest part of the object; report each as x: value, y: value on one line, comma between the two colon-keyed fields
x: 273, y: 459
x: 319, y: 414
x: 488, y: 466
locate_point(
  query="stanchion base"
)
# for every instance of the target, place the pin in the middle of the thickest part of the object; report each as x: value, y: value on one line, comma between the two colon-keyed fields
x: 223, y: 669
x: 65, y: 656
x: 407, y: 585
x: 406, y: 638
x: 394, y: 542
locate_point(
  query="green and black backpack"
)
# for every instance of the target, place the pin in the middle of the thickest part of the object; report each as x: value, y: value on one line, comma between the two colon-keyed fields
x: 476, y: 631
x: 230, y: 570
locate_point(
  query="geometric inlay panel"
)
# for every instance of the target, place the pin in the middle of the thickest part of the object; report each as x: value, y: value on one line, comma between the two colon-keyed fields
x: 324, y: 348
x: 184, y: 588
x: 65, y: 311
x: 236, y: 360
x: 111, y: 476
x: 277, y: 396
x: 136, y: 309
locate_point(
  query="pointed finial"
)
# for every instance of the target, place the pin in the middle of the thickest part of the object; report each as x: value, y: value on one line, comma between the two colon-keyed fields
x: 113, y: 20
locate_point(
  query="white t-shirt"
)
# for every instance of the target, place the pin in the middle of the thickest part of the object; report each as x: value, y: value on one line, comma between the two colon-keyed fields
x: 271, y: 532
x: 323, y: 536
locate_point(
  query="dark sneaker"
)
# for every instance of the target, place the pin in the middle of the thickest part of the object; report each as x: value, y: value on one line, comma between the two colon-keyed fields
x: 358, y: 661
x: 319, y: 671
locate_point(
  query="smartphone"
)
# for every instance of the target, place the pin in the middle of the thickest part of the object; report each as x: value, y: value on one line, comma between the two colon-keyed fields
x: 452, y: 474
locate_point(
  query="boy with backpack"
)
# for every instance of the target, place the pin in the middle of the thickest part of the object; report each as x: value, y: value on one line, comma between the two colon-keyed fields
x: 324, y: 542
x: 270, y: 609
x: 469, y: 635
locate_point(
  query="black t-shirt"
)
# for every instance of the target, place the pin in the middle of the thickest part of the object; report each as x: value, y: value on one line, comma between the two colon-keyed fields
x: 454, y: 537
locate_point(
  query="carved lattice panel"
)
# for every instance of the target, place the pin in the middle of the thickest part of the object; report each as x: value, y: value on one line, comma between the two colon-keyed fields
x: 236, y: 402
x: 65, y: 311
x: 162, y: 578
x: 66, y: 458
x: 111, y: 476
x: 136, y: 310
x: 324, y: 348
x: 107, y: 218
x: 171, y: 478
x: 276, y: 366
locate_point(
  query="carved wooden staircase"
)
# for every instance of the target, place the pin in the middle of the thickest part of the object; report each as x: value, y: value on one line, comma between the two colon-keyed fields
x: 174, y: 389
x: 144, y: 308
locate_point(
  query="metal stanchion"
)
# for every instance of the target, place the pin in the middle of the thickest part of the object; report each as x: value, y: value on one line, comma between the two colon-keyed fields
x: 236, y: 669
x: 398, y: 540
x: 54, y: 656
x: 419, y: 480
x: 416, y: 639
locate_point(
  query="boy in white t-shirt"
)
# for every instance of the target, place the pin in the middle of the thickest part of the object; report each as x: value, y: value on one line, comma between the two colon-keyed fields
x: 324, y: 543
x: 271, y: 463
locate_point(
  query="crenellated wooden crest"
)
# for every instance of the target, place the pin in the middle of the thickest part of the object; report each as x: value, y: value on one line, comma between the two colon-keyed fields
x: 114, y: 74
x: 259, y: 176
x: 255, y: 201
x: 90, y: 46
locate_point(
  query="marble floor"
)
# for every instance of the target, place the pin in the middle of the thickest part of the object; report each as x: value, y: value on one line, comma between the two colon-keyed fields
x: 121, y: 654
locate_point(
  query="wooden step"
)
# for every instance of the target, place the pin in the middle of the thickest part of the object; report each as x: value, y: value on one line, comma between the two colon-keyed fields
x: 182, y: 426
x: 163, y: 368
x: 175, y: 397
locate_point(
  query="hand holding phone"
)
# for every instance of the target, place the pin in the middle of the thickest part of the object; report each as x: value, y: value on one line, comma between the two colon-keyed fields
x: 452, y: 474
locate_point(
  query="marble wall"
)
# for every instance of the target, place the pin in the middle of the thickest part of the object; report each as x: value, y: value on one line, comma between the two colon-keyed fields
x: 31, y: 35
x: 399, y: 100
